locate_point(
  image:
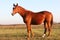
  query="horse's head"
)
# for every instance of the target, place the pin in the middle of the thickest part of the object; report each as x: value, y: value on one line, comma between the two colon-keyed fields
x: 18, y: 9
x: 15, y: 9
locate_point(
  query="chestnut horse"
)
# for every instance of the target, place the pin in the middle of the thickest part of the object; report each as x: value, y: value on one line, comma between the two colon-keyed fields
x: 34, y: 18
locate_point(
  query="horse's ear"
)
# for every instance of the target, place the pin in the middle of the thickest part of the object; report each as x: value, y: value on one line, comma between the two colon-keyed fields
x: 13, y: 4
x: 17, y: 4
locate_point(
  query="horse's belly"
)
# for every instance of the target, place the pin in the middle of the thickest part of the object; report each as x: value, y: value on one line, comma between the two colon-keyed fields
x: 36, y: 22
x: 38, y: 19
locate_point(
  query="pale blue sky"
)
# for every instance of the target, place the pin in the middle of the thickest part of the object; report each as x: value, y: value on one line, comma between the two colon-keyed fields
x: 33, y: 5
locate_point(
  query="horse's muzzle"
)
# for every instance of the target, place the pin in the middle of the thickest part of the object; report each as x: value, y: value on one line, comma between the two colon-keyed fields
x: 12, y: 14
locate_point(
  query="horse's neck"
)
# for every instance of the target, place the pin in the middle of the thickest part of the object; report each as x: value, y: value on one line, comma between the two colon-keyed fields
x: 23, y: 12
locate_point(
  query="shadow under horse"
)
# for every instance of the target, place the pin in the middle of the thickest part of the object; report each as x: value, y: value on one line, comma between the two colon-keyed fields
x: 34, y: 18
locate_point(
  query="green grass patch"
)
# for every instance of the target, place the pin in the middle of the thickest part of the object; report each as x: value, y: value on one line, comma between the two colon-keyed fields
x: 20, y: 33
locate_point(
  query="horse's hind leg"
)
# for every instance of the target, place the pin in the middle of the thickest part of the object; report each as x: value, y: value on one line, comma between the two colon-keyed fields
x: 45, y: 27
x: 49, y: 28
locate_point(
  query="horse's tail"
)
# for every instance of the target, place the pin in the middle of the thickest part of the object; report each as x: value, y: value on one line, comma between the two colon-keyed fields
x: 52, y: 21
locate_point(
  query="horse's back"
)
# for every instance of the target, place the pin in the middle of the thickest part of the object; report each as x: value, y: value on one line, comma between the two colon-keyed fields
x: 45, y: 12
x: 40, y: 17
x: 48, y: 15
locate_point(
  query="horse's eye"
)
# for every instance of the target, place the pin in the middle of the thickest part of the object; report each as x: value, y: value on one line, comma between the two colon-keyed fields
x: 13, y: 8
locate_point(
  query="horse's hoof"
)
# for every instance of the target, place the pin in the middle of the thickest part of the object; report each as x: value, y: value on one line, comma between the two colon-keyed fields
x: 43, y: 35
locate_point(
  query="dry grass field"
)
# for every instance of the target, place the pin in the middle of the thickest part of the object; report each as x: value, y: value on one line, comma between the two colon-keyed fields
x: 19, y: 32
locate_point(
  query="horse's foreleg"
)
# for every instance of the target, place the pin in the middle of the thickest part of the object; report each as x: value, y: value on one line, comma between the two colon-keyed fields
x: 28, y: 30
x: 32, y: 34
